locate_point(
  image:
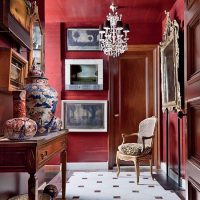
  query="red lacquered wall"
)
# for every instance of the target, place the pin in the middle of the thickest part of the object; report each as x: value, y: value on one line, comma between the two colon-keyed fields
x: 176, y: 12
x: 56, y: 22
x: 53, y: 64
x: 85, y: 147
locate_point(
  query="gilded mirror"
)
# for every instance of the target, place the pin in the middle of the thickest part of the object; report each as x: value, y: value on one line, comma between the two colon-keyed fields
x: 169, y: 51
x: 37, y: 48
x: 37, y: 44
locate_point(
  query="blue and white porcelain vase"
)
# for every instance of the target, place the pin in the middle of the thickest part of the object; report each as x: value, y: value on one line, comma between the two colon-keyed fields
x: 41, y: 101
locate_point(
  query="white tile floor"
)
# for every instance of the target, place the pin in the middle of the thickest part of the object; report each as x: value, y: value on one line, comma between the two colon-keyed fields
x: 106, y: 186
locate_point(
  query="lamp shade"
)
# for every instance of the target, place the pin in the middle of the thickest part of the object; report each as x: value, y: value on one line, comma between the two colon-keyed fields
x: 119, y: 25
x: 126, y: 28
x: 106, y: 24
x: 101, y: 30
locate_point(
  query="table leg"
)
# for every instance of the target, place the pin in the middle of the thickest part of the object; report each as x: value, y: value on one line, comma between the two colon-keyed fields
x: 63, y: 161
x: 32, y: 187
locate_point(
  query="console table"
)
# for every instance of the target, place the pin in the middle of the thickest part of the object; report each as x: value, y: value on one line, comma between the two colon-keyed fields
x: 30, y: 155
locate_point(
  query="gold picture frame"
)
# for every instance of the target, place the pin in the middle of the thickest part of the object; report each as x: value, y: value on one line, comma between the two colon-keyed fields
x: 169, y: 51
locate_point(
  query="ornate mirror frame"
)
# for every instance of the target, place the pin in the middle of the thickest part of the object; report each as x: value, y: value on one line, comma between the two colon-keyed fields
x: 37, y: 39
x: 169, y: 50
x: 37, y: 42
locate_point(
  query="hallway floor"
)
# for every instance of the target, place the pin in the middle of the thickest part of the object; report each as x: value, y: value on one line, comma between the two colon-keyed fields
x: 104, y: 185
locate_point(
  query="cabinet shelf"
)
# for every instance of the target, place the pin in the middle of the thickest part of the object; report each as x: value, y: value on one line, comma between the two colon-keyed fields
x: 13, y: 70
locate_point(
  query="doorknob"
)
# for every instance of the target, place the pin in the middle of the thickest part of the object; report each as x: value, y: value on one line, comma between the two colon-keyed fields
x: 116, y: 115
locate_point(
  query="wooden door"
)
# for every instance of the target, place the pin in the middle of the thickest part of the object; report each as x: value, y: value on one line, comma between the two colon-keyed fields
x: 192, y: 97
x: 134, y: 86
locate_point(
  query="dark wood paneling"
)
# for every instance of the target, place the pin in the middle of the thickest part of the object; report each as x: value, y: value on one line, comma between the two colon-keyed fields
x: 194, y: 130
x: 113, y: 108
x: 197, y: 45
x: 193, y: 186
x: 193, y: 33
x: 192, y: 98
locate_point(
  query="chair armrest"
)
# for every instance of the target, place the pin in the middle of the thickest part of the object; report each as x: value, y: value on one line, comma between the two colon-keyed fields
x: 146, y: 138
x: 127, y: 135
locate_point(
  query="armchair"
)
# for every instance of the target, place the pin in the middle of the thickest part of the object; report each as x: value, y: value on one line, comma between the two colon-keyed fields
x: 142, y: 150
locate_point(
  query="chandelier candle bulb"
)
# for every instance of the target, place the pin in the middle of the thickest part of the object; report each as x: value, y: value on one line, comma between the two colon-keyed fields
x: 113, y: 36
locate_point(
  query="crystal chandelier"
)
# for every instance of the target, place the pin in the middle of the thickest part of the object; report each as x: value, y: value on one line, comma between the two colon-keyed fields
x: 113, y: 36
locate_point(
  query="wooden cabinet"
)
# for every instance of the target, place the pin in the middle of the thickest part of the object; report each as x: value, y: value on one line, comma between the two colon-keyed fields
x: 15, y: 20
x: 13, y: 70
x: 30, y: 155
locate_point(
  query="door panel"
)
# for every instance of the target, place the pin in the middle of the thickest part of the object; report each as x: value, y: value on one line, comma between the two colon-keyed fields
x: 193, y: 32
x: 133, y: 93
x: 192, y: 97
x: 194, y: 130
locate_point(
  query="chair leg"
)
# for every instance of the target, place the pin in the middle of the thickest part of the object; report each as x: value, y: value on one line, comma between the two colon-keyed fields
x: 118, y: 165
x: 137, y: 170
x: 150, y: 161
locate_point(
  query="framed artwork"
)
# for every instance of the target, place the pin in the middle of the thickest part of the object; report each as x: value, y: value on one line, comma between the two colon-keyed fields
x: 82, y: 39
x: 83, y: 74
x: 84, y: 115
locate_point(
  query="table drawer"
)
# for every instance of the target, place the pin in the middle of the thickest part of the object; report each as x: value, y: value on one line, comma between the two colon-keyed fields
x: 47, y: 151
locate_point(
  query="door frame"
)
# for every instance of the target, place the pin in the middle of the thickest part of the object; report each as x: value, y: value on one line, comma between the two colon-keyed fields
x: 113, y: 63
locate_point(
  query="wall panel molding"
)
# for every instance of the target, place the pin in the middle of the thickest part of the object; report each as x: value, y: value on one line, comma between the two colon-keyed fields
x: 193, y: 63
x: 193, y: 111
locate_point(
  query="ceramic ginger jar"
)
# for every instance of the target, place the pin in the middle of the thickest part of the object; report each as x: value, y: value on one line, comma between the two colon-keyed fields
x: 41, y: 101
x: 20, y: 128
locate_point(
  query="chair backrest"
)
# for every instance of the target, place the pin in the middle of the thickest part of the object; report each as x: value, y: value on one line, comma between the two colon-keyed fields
x: 146, y: 129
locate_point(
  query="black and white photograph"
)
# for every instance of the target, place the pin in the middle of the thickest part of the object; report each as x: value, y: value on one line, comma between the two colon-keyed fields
x: 83, y: 39
x: 84, y: 115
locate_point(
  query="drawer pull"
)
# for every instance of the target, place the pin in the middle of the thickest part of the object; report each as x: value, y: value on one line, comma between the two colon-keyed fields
x: 44, y: 155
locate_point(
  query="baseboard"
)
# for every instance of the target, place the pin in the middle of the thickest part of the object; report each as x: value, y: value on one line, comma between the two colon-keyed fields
x: 87, y: 166
x: 78, y: 166
x: 173, y: 175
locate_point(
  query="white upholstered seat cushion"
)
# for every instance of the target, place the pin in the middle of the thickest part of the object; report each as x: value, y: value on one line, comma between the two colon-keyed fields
x: 134, y: 149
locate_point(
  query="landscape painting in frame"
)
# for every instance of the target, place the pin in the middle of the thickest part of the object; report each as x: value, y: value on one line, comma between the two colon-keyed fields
x: 84, y: 115
x: 83, y: 39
